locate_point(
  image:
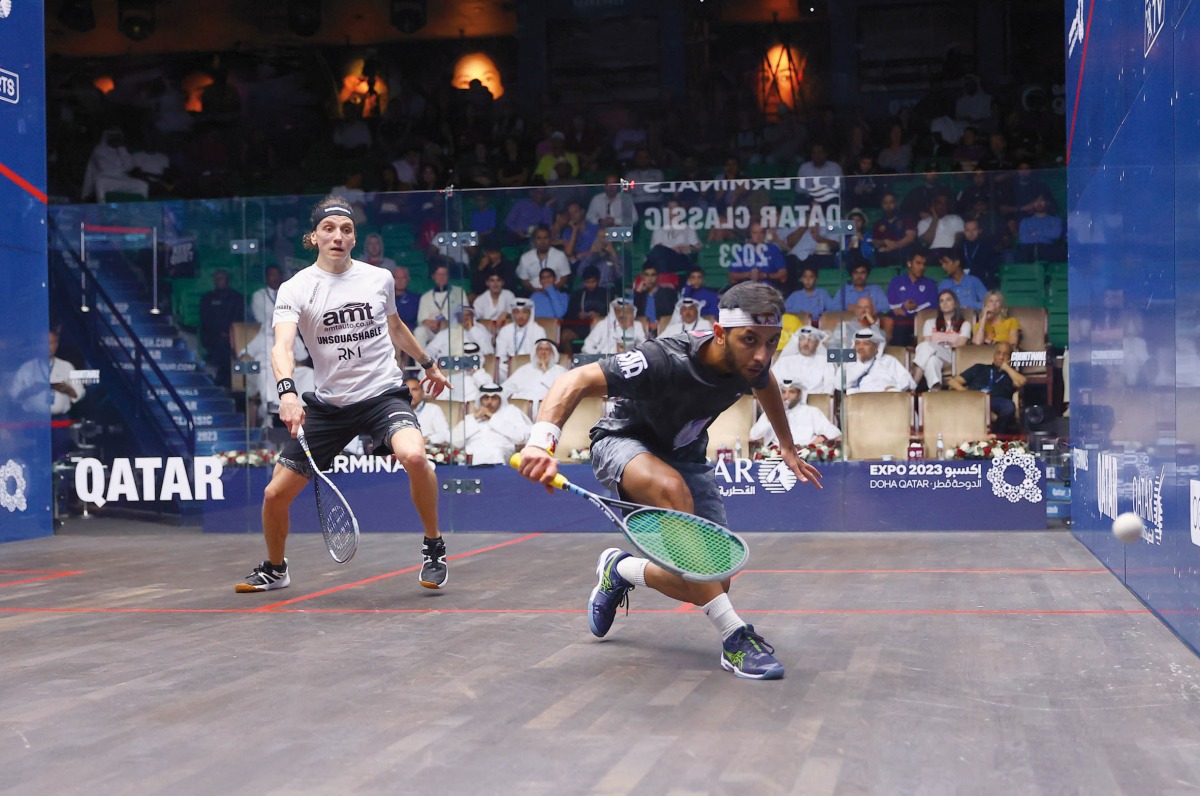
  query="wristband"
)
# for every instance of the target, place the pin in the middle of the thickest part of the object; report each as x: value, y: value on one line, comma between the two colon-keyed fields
x: 426, y: 363
x: 285, y: 386
x: 544, y: 435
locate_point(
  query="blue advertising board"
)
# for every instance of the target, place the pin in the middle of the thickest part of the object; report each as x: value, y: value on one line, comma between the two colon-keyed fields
x: 24, y: 419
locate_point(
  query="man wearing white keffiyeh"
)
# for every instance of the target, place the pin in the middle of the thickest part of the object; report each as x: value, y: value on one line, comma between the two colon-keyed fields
x: 617, y: 333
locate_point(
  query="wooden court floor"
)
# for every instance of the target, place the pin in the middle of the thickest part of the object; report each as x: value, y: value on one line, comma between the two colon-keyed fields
x: 947, y: 663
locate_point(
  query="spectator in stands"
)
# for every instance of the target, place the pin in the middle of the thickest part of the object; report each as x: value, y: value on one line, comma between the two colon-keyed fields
x: 558, y: 154
x: 874, y: 371
x: 865, y: 317
x: 808, y: 298
x: 219, y: 309
x: 863, y: 187
x: 761, y: 259
x: 617, y: 333
x: 919, y: 200
x: 820, y: 177
x: 612, y: 207
x: 731, y: 191
x: 43, y: 387
x: 541, y: 256
x: 511, y: 164
x: 980, y: 256
x: 449, y: 342
x: 686, y: 319
x: 897, y: 156
x: 527, y: 214
x: 644, y: 171
x: 1000, y: 380
x: 494, y: 306
x: 908, y: 294
x: 579, y: 234
x: 604, y: 258
x: 492, y: 433
x: 969, y: 291
x: 808, y: 423
x: 590, y: 303
x: 518, y: 337
x: 373, y: 252
x: 532, y: 380
x: 408, y: 167
x: 969, y: 152
x: 893, y: 234
x: 407, y: 302
x: 437, y: 305
x: 695, y: 289
x: 674, y: 243
x: 465, y: 383
x: 432, y: 420
x: 483, y: 218
x: 492, y: 261
x: 111, y: 167
x: 583, y: 140
x: 997, y: 157
x: 651, y: 298
x: 994, y: 325
x: 849, y: 294
x: 262, y: 302
x: 1040, y: 234
x: 942, y: 334
x: 260, y: 389
x: 974, y: 107
x: 941, y: 229
x: 805, y: 363
x: 549, y: 301
x: 860, y: 246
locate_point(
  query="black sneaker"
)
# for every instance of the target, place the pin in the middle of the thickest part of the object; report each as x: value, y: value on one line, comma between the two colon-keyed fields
x: 434, y: 574
x: 265, y: 577
x: 748, y: 655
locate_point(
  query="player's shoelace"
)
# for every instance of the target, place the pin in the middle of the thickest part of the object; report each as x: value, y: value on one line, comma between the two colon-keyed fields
x: 758, y: 642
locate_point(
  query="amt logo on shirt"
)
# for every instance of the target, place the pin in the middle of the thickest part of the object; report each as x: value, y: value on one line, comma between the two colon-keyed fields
x: 350, y: 312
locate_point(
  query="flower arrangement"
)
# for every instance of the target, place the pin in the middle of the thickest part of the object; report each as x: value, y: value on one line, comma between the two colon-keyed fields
x: 990, y: 448
x: 814, y: 452
x: 444, y: 454
x: 581, y: 455
x: 259, y: 457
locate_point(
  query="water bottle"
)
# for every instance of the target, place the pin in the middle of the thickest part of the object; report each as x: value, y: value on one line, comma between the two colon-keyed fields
x: 941, y: 447
x: 737, y: 447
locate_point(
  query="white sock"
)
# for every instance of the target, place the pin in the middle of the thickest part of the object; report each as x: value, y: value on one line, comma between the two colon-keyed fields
x: 633, y: 570
x: 720, y: 612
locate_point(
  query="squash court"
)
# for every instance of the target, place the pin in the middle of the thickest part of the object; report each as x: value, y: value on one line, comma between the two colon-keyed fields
x: 916, y: 662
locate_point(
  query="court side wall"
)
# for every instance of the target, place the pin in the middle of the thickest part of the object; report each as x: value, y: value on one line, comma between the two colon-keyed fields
x: 24, y: 434
x: 1133, y: 117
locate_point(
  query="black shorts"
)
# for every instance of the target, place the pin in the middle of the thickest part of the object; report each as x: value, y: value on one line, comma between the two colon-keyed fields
x: 328, y: 428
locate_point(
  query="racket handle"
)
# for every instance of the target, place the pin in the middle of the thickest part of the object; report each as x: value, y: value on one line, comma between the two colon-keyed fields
x: 558, y: 482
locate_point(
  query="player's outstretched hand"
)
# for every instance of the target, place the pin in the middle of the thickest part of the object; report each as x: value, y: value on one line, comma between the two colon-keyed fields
x: 291, y: 412
x: 803, y: 470
x: 538, y: 464
x: 435, y: 381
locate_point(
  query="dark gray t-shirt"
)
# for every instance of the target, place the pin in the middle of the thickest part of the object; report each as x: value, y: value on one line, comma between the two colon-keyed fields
x: 665, y: 397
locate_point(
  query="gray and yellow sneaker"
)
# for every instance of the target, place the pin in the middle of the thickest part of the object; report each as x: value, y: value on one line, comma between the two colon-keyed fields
x: 748, y: 655
x: 265, y: 577
x: 611, y: 592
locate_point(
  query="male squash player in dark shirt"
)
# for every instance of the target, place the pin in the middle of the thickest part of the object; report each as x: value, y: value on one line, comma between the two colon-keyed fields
x: 650, y: 449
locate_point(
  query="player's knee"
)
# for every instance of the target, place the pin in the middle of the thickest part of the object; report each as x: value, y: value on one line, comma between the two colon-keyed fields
x: 675, y: 494
x: 412, y: 459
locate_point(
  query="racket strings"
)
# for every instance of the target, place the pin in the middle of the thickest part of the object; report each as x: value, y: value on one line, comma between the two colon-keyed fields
x: 336, y: 522
x: 688, y: 542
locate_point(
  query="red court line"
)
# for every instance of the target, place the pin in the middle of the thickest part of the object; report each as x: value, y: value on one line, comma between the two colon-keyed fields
x: 356, y: 584
x: 23, y: 183
x: 116, y: 230
x: 1087, y: 35
x: 42, y: 574
x: 1096, y: 571
x: 577, y: 611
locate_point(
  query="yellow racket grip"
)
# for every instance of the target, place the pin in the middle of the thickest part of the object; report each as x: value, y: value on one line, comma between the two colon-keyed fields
x: 558, y: 482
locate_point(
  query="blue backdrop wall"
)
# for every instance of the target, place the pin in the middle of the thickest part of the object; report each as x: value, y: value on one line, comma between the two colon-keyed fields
x: 24, y: 433
x: 1133, y: 118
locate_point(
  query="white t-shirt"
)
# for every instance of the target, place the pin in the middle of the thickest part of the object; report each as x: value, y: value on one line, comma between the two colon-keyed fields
x: 343, y: 319
x: 949, y: 226
x: 530, y: 265
x: 488, y: 310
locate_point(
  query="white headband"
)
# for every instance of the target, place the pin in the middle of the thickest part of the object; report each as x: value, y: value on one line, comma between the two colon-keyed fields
x: 729, y: 318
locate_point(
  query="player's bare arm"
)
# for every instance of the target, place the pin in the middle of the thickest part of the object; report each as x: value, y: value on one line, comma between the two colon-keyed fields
x: 402, y: 338
x: 537, y: 459
x: 283, y: 362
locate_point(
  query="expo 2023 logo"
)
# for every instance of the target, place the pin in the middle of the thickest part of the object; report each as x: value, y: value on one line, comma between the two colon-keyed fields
x: 5, y: 8
x: 1028, y: 489
x: 12, y: 486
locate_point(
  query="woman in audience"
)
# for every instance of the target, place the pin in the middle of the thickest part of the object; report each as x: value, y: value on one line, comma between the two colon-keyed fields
x: 994, y: 324
x: 940, y: 336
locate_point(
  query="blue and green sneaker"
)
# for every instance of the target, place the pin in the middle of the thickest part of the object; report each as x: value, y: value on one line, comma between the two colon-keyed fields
x: 748, y: 655
x: 611, y: 592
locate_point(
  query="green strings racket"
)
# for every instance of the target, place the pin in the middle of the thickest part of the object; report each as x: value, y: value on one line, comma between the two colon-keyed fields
x: 692, y: 547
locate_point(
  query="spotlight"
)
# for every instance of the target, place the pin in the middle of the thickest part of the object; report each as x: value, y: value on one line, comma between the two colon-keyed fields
x: 77, y: 15
x: 304, y: 16
x: 135, y: 18
x: 812, y: 9
x: 408, y: 16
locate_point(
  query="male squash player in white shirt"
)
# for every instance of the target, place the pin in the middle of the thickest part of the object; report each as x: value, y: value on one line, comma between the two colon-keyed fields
x: 346, y: 312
